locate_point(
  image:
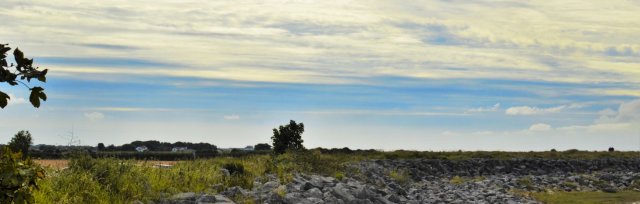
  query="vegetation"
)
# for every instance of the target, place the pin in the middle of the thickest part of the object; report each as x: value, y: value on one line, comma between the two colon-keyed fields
x: 262, y: 147
x: 288, y: 137
x: 18, y: 177
x: 154, y: 145
x: 110, y: 180
x: 400, y: 176
x: 587, y: 197
x: 21, y: 142
x: 24, y: 69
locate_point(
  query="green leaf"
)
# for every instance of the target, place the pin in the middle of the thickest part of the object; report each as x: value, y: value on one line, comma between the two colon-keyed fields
x: 4, y: 99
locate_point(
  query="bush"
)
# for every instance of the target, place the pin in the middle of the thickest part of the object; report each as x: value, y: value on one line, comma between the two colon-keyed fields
x: 234, y: 168
x: 18, y: 177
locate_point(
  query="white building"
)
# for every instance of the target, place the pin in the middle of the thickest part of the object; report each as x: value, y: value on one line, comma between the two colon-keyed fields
x: 142, y: 149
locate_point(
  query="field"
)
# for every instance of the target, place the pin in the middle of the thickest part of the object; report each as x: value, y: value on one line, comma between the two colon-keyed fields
x: 588, y: 197
x: 64, y: 163
x: 105, y: 180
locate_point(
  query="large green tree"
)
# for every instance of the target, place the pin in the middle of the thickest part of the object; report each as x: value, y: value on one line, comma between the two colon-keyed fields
x: 18, y: 73
x: 21, y: 142
x: 288, y: 137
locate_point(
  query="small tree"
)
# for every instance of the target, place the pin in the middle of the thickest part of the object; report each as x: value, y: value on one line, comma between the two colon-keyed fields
x: 262, y: 147
x: 23, y: 69
x: 21, y: 142
x: 288, y: 137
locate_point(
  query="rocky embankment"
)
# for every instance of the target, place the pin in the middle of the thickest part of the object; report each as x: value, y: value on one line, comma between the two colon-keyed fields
x: 440, y: 181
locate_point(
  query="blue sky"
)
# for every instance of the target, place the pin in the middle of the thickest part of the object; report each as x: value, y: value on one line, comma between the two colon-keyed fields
x: 423, y: 75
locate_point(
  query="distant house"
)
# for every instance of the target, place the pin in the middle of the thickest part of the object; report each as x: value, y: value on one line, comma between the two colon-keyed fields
x: 142, y: 149
x: 180, y: 149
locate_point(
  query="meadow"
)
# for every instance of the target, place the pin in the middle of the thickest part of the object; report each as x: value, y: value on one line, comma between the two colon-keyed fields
x: 83, y: 179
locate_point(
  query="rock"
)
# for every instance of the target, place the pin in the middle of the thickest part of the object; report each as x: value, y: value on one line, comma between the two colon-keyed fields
x: 296, y: 198
x: 235, y: 192
x: 214, y: 199
x: 225, y: 172
x: 609, y: 190
x: 307, y: 186
x: 314, y: 193
x: 188, y: 196
x: 269, y: 186
x: 206, y: 199
x: 342, y: 192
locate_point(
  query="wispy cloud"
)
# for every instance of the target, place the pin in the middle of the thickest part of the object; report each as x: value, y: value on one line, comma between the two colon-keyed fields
x: 93, y: 116
x: 232, y: 117
x: 540, y: 127
x: 528, y: 110
x: 493, y: 108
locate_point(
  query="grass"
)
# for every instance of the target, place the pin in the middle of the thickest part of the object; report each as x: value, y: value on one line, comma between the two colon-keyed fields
x: 400, y: 176
x: 587, y: 197
x: 108, y: 180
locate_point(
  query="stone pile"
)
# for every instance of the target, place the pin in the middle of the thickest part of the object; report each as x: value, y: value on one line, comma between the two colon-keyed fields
x: 439, y: 181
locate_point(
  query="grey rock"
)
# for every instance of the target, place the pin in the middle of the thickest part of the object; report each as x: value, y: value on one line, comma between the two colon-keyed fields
x: 189, y: 196
x: 609, y: 190
x: 225, y: 172
x: 269, y: 186
x: 314, y: 193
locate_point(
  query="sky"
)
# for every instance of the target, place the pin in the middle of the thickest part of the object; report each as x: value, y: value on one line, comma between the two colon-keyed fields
x: 416, y: 75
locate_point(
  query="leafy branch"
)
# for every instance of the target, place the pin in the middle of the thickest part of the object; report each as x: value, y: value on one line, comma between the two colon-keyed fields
x: 16, y: 74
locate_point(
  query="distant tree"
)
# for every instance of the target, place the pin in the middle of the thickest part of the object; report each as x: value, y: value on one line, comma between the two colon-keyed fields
x: 101, y: 147
x: 111, y: 147
x: 21, y: 142
x: 288, y: 137
x: 262, y: 147
x: 611, y: 149
x: 24, y: 69
x: 128, y: 147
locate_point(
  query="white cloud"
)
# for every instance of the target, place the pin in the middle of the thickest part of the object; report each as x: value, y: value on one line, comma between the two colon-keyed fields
x: 14, y: 100
x: 607, y: 112
x: 629, y: 111
x: 232, y: 117
x: 448, y: 133
x: 493, y: 108
x: 324, y: 41
x: 540, y: 127
x: 527, y: 110
x: 93, y: 116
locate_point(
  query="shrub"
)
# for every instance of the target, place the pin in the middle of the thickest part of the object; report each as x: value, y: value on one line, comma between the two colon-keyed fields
x: 339, y: 175
x: 234, y: 168
x: 18, y: 177
x: 400, y: 176
x: 457, y: 180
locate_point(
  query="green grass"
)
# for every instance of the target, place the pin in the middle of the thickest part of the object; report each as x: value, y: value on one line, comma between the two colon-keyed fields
x: 108, y: 180
x: 587, y: 197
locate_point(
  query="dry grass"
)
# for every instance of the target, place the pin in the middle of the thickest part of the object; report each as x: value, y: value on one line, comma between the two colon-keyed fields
x: 53, y: 163
x: 63, y: 163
